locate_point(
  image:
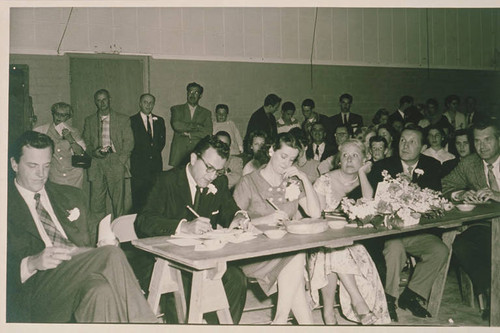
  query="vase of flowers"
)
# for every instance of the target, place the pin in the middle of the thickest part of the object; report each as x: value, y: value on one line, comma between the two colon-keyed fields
x: 398, y: 203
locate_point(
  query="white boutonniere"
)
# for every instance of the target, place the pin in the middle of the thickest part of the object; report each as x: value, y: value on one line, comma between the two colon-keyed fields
x: 292, y: 191
x: 211, y: 189
x: 155, y: 118
x: 73, y: 214
x: 419, y: 172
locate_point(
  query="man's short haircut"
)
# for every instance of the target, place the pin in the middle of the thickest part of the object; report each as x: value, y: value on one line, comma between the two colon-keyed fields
x: 348, y: 96
x: 222, y: 106
x: 225, y: 134
x: 211, y: 141
x: 432, y: 101
x: 378, y: 138
x: 416, y: 128
x: 405, y: 99
x: 288, y: 106
x: 485, y: 123
x: 102, y: 91
x: 471, y: 97
x: 30, y: 139
x: 308, y: 102
x: 147, y: 94
x: 451, y: 98
x: 61, y: 106
x: 348, y: 128
x: 320, y: 124
x: 272, y: 100
x: 194, y: 85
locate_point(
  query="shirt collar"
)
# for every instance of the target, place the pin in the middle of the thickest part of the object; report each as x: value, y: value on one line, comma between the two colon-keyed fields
x: 495, y: 164
x: 27, y: 194
x: 144, y: 116
x: 406, y: 166
x: 191, y: 108
x: 191, y: 181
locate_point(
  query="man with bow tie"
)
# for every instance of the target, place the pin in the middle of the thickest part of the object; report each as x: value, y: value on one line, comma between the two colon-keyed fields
x: 425, y: 172
x: 54, y: 272
x: 149, y: 141
x: 202, y: 186
x: 476, y: 179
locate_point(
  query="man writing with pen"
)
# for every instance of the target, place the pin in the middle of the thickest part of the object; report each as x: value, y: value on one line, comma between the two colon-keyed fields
x: 195, y: 199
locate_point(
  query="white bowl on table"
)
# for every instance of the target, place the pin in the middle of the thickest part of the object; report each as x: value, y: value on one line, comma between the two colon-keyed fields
x: 275, y: 233
x: 306, y: 226
x: 465, y: 207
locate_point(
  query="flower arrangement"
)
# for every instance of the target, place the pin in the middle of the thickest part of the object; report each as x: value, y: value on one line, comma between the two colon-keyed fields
x: 292, y: 190
x: 398, y: 203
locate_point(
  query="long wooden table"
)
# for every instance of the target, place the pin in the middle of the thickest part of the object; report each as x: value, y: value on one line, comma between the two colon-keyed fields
x: 208, y: 294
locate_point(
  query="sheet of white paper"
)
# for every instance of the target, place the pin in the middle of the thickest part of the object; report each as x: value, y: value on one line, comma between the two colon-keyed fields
x: 106, y: 235
x: 184, y: 241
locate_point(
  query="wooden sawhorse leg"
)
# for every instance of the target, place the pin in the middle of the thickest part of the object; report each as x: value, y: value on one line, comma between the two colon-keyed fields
x: 167, y: 279
x: 438, y: 286
x: 208, y: 295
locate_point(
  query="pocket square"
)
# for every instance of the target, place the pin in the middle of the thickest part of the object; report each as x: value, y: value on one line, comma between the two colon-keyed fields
x: 216, y: 212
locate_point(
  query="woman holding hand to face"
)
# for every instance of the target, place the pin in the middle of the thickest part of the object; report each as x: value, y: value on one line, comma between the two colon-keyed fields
x: 287, y: 188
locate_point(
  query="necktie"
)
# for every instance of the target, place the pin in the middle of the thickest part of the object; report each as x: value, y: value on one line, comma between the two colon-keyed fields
x: 106, y: 136
x: 345, y: 118
x: 150, y: 132
x: 197, y: 198
x: 410, y: 171
x: 492, y: 179
x: 50, y: 228
x: 316, y: 153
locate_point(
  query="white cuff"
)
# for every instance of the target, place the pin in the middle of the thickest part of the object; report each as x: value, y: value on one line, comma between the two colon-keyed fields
x: 178, y: 229
x: 25, y: 272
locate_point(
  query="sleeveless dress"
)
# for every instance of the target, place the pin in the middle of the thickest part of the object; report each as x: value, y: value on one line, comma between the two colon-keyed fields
x: 352, y: 259
x: 250, y: 195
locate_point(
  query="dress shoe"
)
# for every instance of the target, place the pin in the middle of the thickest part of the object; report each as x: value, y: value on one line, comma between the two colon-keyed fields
x: 410, y: 300
x: 391, y: 307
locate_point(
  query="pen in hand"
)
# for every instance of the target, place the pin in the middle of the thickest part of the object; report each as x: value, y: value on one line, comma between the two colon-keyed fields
x: 193, y: 211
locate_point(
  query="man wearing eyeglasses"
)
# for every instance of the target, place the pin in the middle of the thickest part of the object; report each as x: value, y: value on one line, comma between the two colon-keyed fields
x: 190, y: 122
x: 194, y: 199
x: 67, y: 142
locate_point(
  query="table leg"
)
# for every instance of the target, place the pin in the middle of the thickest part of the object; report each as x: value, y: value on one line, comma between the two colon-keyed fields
x: 166, y: 279
x: 495, y: 273
x: 208, y: 295
x: 438, y: 286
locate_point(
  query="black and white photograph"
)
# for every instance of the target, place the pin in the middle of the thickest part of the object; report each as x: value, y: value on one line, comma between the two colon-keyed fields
x: 271, y: 164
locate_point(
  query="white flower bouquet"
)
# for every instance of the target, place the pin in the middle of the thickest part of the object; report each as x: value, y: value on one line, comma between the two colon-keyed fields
x: 398, y: 203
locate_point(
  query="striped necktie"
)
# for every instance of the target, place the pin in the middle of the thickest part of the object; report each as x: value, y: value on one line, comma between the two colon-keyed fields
x: 54, y: 234
x: 492, y: 179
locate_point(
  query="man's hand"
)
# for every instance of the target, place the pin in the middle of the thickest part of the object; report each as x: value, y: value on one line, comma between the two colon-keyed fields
x: 49, y: 258
x: 197, y: 226
x: 241, y: 220
x: 98, y: 153
x: 486, y: 194
x: 66, y: 134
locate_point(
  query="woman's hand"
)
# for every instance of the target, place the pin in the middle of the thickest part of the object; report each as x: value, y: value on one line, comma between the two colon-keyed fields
x: 277, y: 217
x: 293, y: 171
x: 365, y: 168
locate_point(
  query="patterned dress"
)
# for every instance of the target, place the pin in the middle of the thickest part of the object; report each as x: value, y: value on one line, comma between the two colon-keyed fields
x: 352, y: 259
x: 251, y: 194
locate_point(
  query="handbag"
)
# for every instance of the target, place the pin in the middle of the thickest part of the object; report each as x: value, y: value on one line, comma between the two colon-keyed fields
x: 81, y: 161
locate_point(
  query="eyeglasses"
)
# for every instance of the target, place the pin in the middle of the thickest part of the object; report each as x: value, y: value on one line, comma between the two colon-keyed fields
x: 62, y: 115
x: 211, y: 169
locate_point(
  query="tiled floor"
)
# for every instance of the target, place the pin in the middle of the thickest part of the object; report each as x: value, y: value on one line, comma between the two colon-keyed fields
x: 452, y: 311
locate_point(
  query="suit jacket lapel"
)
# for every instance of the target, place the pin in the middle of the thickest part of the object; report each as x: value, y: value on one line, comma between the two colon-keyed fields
x: 480, y: 176
x: 22, y: 212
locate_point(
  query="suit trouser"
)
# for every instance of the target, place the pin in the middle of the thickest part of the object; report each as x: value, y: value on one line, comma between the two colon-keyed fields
x: 432, y: 252
x: 472, y: 248
x: 94, y: 286
x: 141, y: 186
x: 111, y: 181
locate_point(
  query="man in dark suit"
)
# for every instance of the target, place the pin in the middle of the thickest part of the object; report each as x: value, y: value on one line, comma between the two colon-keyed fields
x: 54, y: 271
x: 109, y: 141
x: 190, y: 122
x: 263, y: 119
x: 200, y: 185
x: 424, y: 171
x: 320, y: 149
x: 345, y: 116
x: 311, y: 117
x: 145, y: 160
x: 400, y: 114
x: 477, y: 179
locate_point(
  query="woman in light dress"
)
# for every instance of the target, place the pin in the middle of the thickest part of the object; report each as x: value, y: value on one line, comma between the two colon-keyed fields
x: 286, y: 187
x: 362, y: 295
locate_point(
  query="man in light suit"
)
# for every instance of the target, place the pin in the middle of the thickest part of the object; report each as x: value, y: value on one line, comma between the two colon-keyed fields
x: 109, y: 141
x: 54, y: 271
x: 320, y: 149
x: 190, y: 122
x: 145, y: 160
x: 429, y: 248
x: 345, y: 116
x: 200, y: 184
x: 476, y: 178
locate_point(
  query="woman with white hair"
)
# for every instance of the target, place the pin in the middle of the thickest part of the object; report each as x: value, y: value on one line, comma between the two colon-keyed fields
x: 362, y: 295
